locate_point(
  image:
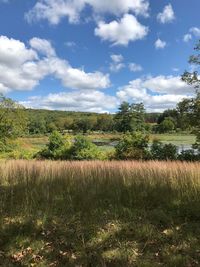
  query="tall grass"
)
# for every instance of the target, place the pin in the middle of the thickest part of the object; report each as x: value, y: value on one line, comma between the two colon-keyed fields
x: 146, y: 196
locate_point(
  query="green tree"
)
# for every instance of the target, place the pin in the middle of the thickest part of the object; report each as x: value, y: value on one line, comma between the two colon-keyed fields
x: 167, y: 125
x: 13, y: 121
x: 105, y: 122
x: 184, y: 110
x: 192, y: 78
x: 130, y: 117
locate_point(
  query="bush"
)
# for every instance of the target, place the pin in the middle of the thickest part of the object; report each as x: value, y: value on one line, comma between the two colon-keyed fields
x: 84, y: 149
x: 133, y: 146
x: 160, y: 151
x: 59, y: 147
x: 189, y: 155
x: 167, y: 125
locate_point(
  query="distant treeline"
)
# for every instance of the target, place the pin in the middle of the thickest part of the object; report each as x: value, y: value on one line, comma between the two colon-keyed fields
x: 46, y: 121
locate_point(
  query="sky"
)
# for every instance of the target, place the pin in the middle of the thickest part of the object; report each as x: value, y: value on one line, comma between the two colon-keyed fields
x: 91, y: 55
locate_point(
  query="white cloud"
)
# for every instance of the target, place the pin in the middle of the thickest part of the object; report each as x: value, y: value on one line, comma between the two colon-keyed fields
x: 117, y: 63
x: 22, y: 68
x: 157, y: 93
x: 159, y: 44
x: 118, y: 7
x: 135, y: 67
x: 55, y: 10
x: 194, y: 31
x: 167, y: 15
x: 121, y: 32
x: 187, y: 37
x: 43, y: 46
x: 90, y: 101
x: 77, y: 78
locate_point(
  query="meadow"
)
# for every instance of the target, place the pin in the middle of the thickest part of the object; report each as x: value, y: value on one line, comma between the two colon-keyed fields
x: 125, y: 213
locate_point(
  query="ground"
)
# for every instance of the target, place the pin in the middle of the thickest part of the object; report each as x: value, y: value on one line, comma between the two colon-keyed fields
x: 102, y: 214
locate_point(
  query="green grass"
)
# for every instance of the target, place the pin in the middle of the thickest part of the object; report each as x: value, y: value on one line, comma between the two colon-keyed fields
x: 99, y: 214
x: 176, y: 139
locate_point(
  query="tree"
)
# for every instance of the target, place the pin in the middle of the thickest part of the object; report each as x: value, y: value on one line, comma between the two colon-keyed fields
x: 13, y: 121
x: 131, y: 117
x: 105, y: 122
x: 192, y: 78
x: 184, y: 110
x: 167, y: 125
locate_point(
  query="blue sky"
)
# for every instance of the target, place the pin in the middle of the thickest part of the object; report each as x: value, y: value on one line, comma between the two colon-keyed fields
x: 90, y: 55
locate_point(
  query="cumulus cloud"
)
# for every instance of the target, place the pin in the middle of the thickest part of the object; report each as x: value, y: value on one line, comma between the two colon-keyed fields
x: 193, y: 32
x: 159, y: 44
x: 157, y: 93
x: 167, y: 15
x: 135, y: 67
x: 121, y: 32
x: 55, y: 10
x: 43, y: 46
x: 94, y: 101
x: 117, y: 63
x: 22, y: 68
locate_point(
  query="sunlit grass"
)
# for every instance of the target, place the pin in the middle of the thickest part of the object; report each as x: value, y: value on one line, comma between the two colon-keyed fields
x: 99, y: 213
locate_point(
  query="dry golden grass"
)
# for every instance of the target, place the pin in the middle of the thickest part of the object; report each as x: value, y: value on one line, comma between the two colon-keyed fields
x: 119, y: 213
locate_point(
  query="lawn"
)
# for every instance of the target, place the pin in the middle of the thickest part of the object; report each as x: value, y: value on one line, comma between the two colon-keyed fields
x: 99, y: 214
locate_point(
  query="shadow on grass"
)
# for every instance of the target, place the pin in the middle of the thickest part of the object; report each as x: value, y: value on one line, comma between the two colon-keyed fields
x: 102, y: 223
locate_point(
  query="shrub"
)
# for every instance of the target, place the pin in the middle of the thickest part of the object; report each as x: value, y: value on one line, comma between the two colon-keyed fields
x: 133, y: 146
x: 160, y: 151
x: 84, y: 149
x: 167, y: 125
x: 59, y: 147
x: 189, y: 155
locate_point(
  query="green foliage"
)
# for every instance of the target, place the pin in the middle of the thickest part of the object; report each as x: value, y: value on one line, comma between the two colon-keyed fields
x: 167, y: 125
x: 133, y: 146
x: 131, y: 117
x: 84, y: 149
x: 85, y: 124
x: 59, y: 147
x: 160, y: 151
x: 13, y: 121
x: 192, y: 78
x: 189, y: 155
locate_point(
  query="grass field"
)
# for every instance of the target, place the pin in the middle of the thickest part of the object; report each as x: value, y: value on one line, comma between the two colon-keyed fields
x: 143, y: 214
